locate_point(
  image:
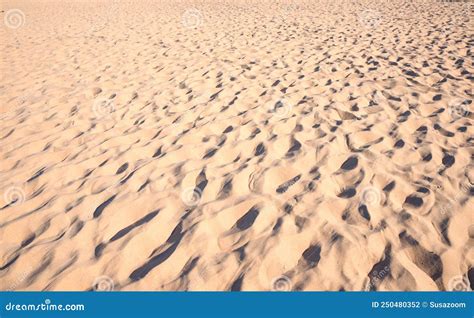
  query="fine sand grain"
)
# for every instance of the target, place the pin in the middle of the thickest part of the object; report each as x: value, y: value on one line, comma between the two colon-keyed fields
x: 236, y: 145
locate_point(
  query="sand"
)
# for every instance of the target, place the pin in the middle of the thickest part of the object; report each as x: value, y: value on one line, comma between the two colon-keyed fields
x: 236, y: 145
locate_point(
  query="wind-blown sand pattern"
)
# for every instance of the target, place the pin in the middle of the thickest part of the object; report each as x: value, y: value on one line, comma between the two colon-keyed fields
x: 236, y: 145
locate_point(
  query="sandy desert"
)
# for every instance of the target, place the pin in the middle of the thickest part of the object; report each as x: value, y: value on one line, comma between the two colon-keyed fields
x: 236, y: 145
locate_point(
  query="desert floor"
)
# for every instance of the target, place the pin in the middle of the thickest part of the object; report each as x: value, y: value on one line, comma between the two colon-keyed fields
x: 236, y: 145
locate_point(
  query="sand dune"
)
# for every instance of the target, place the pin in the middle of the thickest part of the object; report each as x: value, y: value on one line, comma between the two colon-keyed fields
x: 236, y: 145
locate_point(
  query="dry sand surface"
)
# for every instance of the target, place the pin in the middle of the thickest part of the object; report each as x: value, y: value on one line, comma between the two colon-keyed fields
x: 236, y: 145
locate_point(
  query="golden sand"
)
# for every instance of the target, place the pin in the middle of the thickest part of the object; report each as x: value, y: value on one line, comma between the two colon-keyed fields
x: 236, y: 145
